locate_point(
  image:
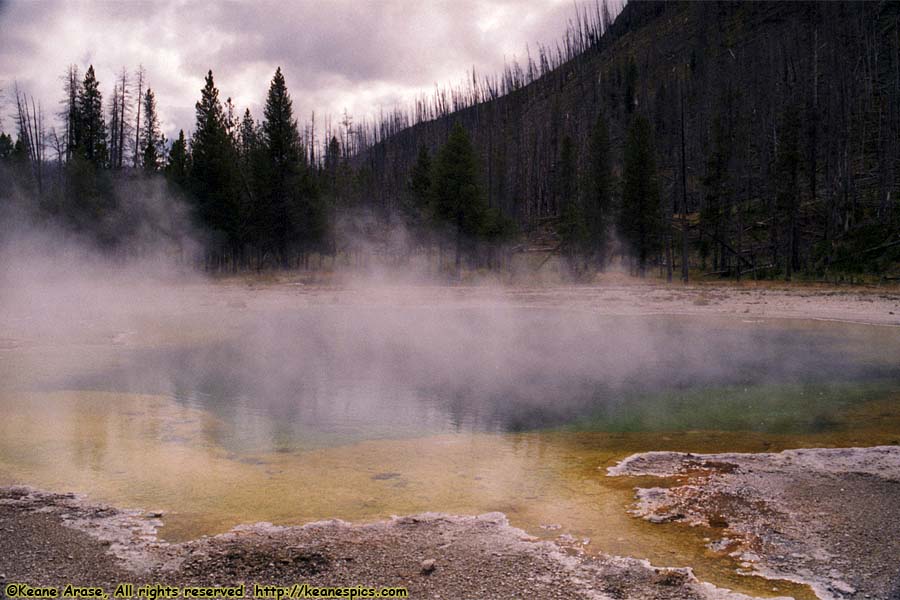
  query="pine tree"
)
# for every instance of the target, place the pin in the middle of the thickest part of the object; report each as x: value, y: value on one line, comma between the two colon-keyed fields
x: 6, y: 146
x: 178, y: 165
x: 292, y: 208
x: 213, y: 175
x: 415, y: 202
x: 333, y: 178
x: 210, y: 128
x: 249, y: 136
x: 640, y: 217
x: 456, y: 196
x: 254, y: 173
x: 153, y: 142
x: 90, y: 123
x: 279, y: 129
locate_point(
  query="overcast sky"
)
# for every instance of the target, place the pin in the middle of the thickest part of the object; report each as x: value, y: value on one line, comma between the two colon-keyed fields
x: 336, y: 54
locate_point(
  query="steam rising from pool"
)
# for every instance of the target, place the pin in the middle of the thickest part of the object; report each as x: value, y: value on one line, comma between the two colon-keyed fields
x: 372, y: 359
x: 143, y: 383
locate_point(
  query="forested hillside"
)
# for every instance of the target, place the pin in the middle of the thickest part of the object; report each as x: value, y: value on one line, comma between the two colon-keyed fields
x: 741, y: 139
x: 774, y: 128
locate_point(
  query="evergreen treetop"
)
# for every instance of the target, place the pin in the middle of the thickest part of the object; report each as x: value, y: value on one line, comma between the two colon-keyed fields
x: 90, y: 121
x: 179, y: 161
x: 152, y: 140
x: 456, y: 196
x: 279, y: 128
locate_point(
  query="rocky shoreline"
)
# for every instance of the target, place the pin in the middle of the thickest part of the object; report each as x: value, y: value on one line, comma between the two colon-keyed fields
x: 829, y: 518
x: 54, y: 539
x: 822, y: 517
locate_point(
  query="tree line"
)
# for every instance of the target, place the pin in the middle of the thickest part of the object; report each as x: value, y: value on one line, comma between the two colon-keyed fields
x: 250, y: 185
x: 256, y: 188
x: 752, y: 140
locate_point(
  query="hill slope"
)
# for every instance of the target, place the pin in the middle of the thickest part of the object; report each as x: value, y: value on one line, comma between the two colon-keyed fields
x: 791, y: 120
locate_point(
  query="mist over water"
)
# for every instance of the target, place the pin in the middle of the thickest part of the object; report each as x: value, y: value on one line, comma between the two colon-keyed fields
x: 371, y: 358
x: 341, y: 373
x: 143, y: 383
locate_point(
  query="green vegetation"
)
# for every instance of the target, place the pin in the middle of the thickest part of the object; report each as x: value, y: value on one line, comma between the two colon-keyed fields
x: 724, y: 156
x: 446, y: 197
x: 89, y: 126
x: 457, y: 200
x: 152, y: 141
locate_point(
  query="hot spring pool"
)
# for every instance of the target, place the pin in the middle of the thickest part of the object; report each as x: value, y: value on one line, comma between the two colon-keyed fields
x: 295, y: 414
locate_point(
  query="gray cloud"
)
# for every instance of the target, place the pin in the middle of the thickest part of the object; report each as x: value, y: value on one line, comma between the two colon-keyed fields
x: 358, y: 55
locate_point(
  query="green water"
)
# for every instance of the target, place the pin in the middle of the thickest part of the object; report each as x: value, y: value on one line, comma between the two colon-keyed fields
x: 291, y: 418
x: 794, y: 408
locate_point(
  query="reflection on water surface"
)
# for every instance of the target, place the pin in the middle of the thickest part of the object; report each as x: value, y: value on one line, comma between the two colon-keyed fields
x: 294, y: 416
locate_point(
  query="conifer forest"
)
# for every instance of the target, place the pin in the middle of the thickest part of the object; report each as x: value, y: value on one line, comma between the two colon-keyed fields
x: 735, y: 139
